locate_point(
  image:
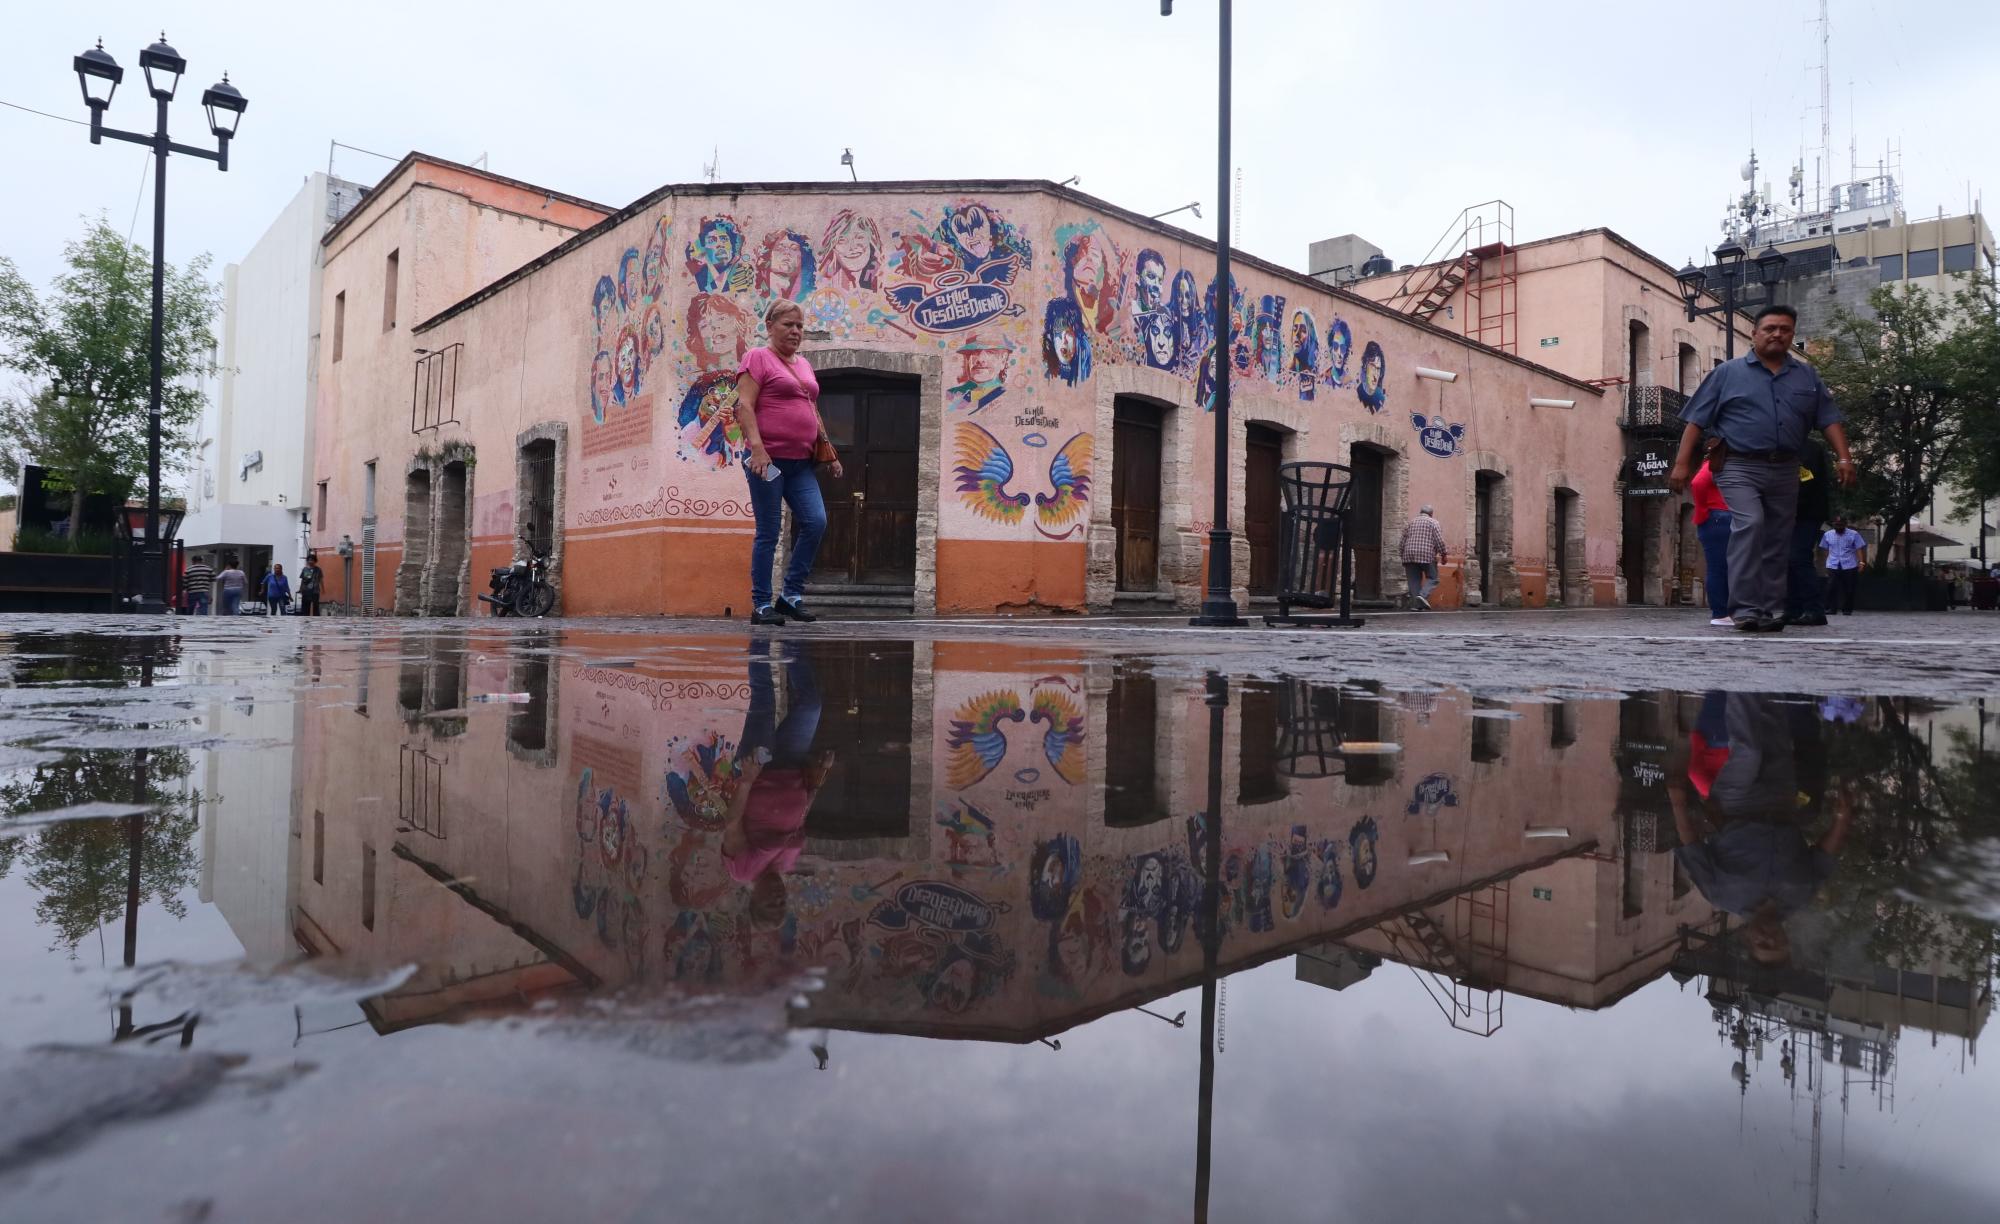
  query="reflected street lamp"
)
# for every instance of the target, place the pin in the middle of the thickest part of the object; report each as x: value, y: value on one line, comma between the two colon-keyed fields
x: 99, y: 75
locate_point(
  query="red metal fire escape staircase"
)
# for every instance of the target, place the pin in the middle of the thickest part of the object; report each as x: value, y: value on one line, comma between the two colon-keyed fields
x: 1477, y: 254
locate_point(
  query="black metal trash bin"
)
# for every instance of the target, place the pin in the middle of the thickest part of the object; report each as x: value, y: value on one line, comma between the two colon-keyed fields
x: 1315, y: 554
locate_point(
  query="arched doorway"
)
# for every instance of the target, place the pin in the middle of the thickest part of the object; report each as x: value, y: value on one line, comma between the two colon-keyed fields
x: 1137, y: 427
x: 1366, y: 514
x: 416, y: 542
x: 871, y: 508
x: 1263, y: 456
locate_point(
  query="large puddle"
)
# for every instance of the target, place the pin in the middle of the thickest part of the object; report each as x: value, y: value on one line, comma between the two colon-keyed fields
x: 404, y: 923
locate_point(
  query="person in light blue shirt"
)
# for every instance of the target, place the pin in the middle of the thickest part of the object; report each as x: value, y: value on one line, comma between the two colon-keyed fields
x: 1846, y: 556
x: 1762, y: 407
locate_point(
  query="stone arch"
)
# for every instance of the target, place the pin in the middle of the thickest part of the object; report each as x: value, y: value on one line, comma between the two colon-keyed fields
x: 928, y: 369
x: 1184, y: 496
x: 1567, y: 561
x: 419, y: 507
x: 1502, y: 588
x: 1395, y: 486
x: 554, y: 435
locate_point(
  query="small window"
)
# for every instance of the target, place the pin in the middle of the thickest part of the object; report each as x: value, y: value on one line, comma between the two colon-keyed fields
x: 368, y: 887
x: 1892, y: 267
x: 1923, y: 263
x: 1958, y: 258
x: 1562, y: 724
x: 319, y: 847
x: 389, y: 290
x: 339, y: 323
x: 319, y: 506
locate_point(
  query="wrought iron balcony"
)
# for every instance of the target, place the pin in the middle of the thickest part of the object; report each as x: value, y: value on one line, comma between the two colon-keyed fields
x: 1653, y: 410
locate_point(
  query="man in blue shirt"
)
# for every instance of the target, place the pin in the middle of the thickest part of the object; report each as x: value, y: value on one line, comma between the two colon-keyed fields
x: 1762, y: 406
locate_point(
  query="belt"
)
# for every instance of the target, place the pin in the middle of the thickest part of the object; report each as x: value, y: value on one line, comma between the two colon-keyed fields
x: 1766, y: 456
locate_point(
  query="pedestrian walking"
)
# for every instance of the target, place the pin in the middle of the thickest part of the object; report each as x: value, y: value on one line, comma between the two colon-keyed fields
x: 1711, y: 527
x: 1422, y: 550
x: 311, y: 579
x: 1762, y: 406
x: 230, y: 586
x: 1805, y: 602
x: 197, y: 580
x: 277, y: 591
x: 1846, y: 556
x: 777, y: 407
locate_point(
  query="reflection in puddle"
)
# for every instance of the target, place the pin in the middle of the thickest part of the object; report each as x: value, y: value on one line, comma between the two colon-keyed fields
x: 688, y: 847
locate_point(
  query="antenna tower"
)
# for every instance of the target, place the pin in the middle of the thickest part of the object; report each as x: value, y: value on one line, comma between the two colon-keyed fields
x: 1825, y: 100
x: 713, y: 166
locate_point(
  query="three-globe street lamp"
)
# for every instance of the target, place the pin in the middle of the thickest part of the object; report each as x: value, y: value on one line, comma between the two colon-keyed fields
x: 1729, y: 259
x: 99, y: 74
x: 1218, y: 605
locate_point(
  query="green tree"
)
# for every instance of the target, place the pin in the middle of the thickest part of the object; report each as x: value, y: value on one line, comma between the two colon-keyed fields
x: 1909, y: 376
x: 85, y: 349
x: 1978, y: 343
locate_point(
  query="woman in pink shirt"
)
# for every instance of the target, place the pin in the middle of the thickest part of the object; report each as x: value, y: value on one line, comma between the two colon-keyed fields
x: 1711, y: 526
x: 777, y: 406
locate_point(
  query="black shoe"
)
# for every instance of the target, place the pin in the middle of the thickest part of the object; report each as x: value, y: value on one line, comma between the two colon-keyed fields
x: 794, y: 610
x: 1748, y: 624
x: 1812, y: 619
x: 766, y: 616
x: 1771, y: 624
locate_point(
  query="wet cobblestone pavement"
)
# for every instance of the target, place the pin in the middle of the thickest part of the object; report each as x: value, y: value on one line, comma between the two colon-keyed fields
x: 1522, y: 915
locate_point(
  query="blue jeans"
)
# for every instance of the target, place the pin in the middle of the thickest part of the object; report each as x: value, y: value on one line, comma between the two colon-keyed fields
x: 1803, y: 594
x: 789, y: 742
x: 798, y: 487
x: 1714, y: 536
x: 197, y: 603
x: 231, y: 601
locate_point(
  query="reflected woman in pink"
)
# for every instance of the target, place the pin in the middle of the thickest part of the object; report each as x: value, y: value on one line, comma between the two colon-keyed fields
x: 779, y: 777
x: 851, y: 252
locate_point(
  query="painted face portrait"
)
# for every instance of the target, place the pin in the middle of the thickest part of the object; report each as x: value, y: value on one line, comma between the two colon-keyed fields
x: 716, y: 244
x: 1339, y: 345
x: 1186, y: 302
x: 851, y: 251
x: 984, y: 365
x: 628, y: 280
x: 1088, y: 270
x: 972, y: 230
x: 601, y: 384
x: 1162, y: 338
x: 655, y: 334
x: 1372, y: 388
x: 628, y: 364
x: 604, y: 304
x: 1151, y: 293
x: 718, y: 331
x: 1065, y: 351
x: 651, y: 271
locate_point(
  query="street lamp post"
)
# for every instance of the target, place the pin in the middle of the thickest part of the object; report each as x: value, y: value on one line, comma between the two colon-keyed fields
x: 1729, y: 261
x: 99, y: 74
x: 1218, y: 605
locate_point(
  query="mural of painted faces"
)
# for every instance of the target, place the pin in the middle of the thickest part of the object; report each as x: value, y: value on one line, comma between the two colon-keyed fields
x: 653, y: 273
x: 1189, y: 316
x: 1372, y: 388
x: 1149, y: 292
x: 718, y: 332
x: 603, y: 385
x: 851, y: 252
x: 715, y: 256
x: 653, y: 337
x: 970, y: 228
x: 708, y: 430
x: 982, y: 371
x: 1065, y: 346
x: 785, y: 266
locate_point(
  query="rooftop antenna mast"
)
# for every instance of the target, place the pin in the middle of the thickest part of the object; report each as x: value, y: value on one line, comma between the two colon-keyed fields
x: 1825, y: 101
x: 713, y: 166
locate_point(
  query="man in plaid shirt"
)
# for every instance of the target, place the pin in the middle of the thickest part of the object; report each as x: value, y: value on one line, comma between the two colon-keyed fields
x: 1423, y: 549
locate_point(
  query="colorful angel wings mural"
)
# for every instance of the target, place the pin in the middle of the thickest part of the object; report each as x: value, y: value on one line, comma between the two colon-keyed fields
x: 976, y: 741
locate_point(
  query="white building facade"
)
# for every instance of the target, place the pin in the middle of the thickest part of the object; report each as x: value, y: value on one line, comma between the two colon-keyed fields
x: 248, y: 491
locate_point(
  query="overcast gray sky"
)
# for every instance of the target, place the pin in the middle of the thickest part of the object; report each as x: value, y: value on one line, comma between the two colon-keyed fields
x: 1377, y: 118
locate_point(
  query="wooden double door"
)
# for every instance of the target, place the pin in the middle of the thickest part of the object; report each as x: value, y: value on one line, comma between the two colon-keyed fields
x: 1135, y: 493
x: 871, y: 509
x: 1364, y: 520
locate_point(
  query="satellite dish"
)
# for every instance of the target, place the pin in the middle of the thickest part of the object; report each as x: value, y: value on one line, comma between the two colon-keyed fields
x: 1748, y: 171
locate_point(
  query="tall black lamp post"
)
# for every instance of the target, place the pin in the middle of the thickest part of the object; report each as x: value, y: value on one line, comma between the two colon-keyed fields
x: 100, y: 75
x: 1729, y: 263
x: 1218, y: 606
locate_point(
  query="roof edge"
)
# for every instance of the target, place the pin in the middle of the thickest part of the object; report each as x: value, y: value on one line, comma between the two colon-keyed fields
x: 414, y: 157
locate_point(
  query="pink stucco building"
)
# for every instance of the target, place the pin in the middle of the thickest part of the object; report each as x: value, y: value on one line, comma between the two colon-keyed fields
x: 554, y: 371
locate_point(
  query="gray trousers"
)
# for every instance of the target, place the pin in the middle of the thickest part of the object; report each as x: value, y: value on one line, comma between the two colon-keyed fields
x: 1763, y: 502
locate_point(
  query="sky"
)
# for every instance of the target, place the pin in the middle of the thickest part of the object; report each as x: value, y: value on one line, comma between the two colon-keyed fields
x: 1378, y: 119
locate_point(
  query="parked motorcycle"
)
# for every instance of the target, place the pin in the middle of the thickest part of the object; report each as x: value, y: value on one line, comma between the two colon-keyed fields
x: 522, y: 589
